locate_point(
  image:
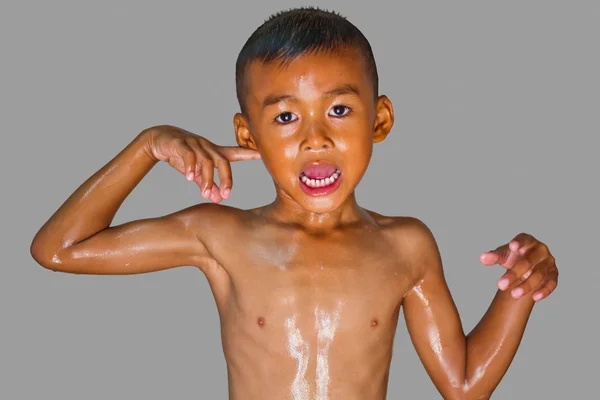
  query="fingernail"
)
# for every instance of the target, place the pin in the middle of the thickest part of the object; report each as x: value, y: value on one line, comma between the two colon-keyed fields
x: 206, y: 193
x: 517, y: 292
x: 537, y: 296
x: 226, y: 193
x: 503, y: 283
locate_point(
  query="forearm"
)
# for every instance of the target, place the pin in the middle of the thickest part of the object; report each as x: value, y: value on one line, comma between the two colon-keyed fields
x: 92, y: 207
x: 493, y: 343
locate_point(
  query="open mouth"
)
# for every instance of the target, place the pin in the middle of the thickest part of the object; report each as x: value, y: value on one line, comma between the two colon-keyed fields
x: 320, y: 179
x: 315, y: 182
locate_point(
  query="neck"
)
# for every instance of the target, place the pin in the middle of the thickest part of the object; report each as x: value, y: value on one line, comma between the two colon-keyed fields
x: 286, y: 211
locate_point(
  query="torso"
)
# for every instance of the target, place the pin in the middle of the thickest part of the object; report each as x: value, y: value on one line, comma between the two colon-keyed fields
x: 312, y: 320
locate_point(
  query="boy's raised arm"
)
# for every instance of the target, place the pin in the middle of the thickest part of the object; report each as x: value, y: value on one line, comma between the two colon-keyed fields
x: 78, y: 237
x: 471, y: 366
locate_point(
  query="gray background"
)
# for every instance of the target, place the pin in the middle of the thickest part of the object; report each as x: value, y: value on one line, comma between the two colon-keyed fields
x: 497, y: 120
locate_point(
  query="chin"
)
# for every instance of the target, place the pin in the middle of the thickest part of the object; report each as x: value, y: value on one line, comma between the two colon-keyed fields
x: 322, y: 204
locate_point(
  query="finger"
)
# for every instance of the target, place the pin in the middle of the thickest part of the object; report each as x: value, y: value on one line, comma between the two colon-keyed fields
x: 522, y: 242
x: 489, y: 258
x: 549, y: 285
x: 519, y: 271
x: 199, y: 154
x: 207, y: 168
x: 204, y: 169
x: 539, y: 294
x: 519, y: 246
x: 189, y: 161
x: 525, y: 266
x: 502, y: 256
x: 535, y: 255
x: 236, y: 153
x: 511, y: 260
x: 532, y: 282
x: 208, y: 174
x: 215, y: 194
x: 223, y: 170
x: 493, y: 257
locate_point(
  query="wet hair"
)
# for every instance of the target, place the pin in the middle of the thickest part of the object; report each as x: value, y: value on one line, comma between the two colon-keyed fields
x: 289, y: 34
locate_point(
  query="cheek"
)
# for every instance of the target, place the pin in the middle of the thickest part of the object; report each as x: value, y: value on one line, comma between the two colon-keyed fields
x: 289, y: 150
x: 280, y: 146
x: 277, y: 150
x: 356, y: 147
x: 277, y: 157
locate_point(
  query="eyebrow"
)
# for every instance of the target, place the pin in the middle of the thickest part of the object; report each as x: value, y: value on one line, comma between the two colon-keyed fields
x: 345, y: 89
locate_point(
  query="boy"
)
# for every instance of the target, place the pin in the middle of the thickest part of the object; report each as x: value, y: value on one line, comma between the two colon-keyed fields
x: 309, y: 287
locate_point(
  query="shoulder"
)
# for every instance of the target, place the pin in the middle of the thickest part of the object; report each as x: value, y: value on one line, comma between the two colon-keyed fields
x: 213, y: 215
x: 220, y: 231
x: 412, y: 241
x: 410, y: 233
x: 213, y: 220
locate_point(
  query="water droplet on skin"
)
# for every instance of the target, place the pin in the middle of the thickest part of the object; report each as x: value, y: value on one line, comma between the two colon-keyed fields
x: 326, y: 324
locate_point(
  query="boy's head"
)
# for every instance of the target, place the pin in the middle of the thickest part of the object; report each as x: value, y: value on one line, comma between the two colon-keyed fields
x: 287, y: 35
x: 307, y: 85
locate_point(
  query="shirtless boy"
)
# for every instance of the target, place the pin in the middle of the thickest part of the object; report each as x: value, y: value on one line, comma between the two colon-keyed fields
x: 309, y: 287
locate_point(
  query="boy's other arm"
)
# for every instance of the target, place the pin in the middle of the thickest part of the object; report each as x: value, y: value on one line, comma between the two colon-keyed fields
x: 461, y: 367
x: 78, y: 237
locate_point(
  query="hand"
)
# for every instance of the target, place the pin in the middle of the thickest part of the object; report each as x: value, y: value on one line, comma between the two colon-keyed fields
x: 196, y: 158
x: 530, y: 266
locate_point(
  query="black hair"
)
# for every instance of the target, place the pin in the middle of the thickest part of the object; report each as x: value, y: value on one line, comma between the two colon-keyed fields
x: 286, y: 35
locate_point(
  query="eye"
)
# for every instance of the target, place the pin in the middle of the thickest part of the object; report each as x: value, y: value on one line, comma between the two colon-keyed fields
x: 285, y: 118
x: 339, y: 111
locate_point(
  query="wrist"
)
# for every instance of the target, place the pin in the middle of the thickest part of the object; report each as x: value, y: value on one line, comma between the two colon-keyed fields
x: 146, y: 140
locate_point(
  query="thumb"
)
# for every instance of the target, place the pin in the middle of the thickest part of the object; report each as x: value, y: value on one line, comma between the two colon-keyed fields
x: 493, y: 257
x: 236, y: 153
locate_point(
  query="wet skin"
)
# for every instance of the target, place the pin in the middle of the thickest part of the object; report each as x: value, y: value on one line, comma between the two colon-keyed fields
x: 309, y: 316
x: 308, y: 288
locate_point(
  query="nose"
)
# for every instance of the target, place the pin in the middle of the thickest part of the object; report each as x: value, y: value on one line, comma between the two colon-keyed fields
x: 316, y: 138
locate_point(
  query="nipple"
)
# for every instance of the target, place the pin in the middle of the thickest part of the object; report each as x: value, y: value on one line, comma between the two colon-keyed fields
x: 374, y: 322
x: 260, y: 321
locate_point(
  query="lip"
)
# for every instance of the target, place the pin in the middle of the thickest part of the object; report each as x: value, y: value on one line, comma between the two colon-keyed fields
x: 324, y: 190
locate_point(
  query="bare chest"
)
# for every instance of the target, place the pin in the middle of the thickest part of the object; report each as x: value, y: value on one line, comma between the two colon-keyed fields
x: 349, y: 286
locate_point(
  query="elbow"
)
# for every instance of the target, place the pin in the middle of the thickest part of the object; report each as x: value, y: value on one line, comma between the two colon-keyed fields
x: 466, y: 391
x: 478, y: 396
x: 38, y: 252
x: 468, y: 395
x: 41, y: 256
x: 469, y: 392
x: 45, y: 257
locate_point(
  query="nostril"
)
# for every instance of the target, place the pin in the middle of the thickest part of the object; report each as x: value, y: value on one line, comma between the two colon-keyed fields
x: 324, y: 147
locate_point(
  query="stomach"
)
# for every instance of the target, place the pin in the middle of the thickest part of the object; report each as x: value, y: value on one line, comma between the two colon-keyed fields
x: 350, y: 367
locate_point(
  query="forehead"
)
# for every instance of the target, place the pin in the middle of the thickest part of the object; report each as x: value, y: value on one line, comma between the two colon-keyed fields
x: 309, y: 73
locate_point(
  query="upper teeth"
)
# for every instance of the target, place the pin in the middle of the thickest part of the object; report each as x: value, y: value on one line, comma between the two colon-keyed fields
x: 321, y: 182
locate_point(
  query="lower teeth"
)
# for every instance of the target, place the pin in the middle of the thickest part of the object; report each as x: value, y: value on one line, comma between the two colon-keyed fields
x: 316, y: 183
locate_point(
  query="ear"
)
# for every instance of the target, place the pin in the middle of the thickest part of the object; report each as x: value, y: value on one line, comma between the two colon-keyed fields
x: 384, y: 119
x: 243, y: 135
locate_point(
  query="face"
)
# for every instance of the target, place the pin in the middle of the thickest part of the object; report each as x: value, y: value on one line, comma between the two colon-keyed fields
x: 314, y: 121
